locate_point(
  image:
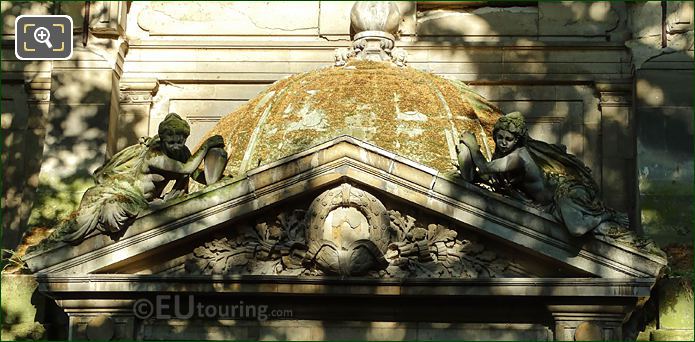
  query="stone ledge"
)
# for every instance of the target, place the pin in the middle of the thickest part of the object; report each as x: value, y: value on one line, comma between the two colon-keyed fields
x: 545, y: 287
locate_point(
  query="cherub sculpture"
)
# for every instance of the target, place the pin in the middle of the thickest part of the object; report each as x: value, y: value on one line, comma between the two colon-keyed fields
x: 545, y: 176
x: 136, y: 178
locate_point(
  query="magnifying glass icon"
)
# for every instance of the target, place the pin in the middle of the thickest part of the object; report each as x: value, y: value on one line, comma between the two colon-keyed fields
x: 42, y: 35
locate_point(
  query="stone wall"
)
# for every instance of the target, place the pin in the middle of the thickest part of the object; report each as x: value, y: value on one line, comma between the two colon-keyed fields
x: 612, y: 81
x: 663, y: 58
x: 55, y: 115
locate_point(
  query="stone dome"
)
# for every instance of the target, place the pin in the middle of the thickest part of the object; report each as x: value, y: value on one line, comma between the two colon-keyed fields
x: 412, y: 113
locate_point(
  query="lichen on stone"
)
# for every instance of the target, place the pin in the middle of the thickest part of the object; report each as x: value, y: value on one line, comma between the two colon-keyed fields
x: 371, y: 101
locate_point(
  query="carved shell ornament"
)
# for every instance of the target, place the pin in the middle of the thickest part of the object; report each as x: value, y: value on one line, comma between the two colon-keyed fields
x: 348, y: 231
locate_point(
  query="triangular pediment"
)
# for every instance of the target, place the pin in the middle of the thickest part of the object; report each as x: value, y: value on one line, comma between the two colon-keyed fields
x: 439, y: 226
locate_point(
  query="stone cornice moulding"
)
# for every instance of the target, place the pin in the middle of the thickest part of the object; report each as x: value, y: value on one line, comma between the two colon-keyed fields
x: 345, y: 159
x: 140, y: 284
x: 191, y: 42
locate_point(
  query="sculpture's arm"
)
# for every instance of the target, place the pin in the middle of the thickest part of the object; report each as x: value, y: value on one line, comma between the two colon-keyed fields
x: 164, y: 163
x: 507, y: 163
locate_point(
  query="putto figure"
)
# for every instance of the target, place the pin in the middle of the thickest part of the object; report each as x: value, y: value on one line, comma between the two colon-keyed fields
x: 545, y: 176
x: 136, y: 178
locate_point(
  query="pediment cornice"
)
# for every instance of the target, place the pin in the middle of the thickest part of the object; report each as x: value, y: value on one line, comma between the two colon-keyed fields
x: 341, y: 160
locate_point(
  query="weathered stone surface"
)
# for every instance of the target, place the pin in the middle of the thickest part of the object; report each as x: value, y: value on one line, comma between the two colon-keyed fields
x: 664, y: 88
x: 588, y: 331
x: 335, y: 18
x: 579, y: 18
x: 100, y: 328
x: 17, y: 292
x: 23, y: 331
x: 226, y: 18
x: 404, y: 110
x: 647, y: 41
x: 664, y: 104
x: 308, y: 330
x: 12, y: 10
x: 21, y: 308
x: 679, y: 21
x: 485, y: 21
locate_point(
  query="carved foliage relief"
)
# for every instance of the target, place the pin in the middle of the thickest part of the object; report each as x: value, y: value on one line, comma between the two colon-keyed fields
x: 347, y: 231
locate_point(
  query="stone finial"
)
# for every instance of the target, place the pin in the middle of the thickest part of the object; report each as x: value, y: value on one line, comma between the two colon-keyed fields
x: 381, y: 16
x: 375, y: 25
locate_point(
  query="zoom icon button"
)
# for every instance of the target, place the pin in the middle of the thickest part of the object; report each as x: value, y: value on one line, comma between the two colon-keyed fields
x: 43, y: 37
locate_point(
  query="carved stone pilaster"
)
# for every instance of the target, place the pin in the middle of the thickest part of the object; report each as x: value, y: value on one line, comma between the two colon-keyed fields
x: 618, y: 144
x: 617, y: 93
x: 99, y: 320
x: 131, y: 120
x: 137, y: 91
x: 38, y: 93
x: 38, y: 90
x: 588, y: 323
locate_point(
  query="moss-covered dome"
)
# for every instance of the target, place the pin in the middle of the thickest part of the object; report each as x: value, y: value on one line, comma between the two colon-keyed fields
x: 415, y: 114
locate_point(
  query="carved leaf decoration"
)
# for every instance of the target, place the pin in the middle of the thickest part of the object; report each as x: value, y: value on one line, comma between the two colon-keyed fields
x: 497, y: 267
x: 437, y: 233
x: 237, y: 259
x: 218, y: 257
x: 430, y: 269
x: 262, y: 230
x: 279, y: 248
x: 293, y: 224
x: 487, y: 256
x: 436, y: 252
x: 471, y: 248
x: 401, y: 225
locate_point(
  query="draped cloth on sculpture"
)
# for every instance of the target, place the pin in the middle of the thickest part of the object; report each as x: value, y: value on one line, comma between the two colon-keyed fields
x: 576, y: 199
x: 116, y: 200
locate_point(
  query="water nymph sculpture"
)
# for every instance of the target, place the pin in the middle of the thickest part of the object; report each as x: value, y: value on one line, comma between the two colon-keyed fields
x: 136, y: 178
x: 540, y: 174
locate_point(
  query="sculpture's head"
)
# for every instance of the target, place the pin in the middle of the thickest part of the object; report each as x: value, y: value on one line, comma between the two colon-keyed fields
x: 173, y: 132
x: 509, y: 133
